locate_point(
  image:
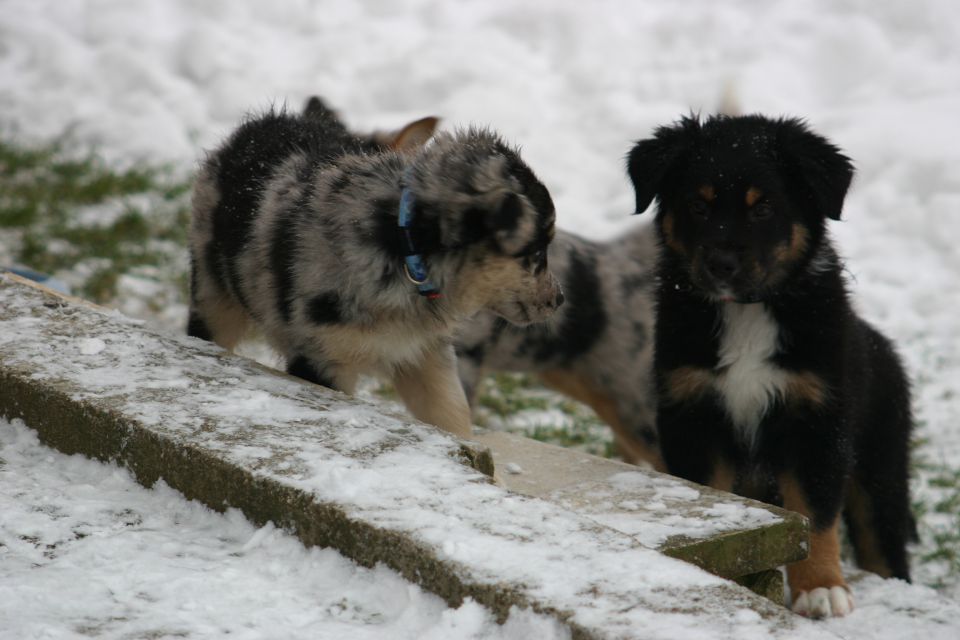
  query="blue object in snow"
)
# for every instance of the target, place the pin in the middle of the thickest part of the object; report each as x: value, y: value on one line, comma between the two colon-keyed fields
x: 40, y: 278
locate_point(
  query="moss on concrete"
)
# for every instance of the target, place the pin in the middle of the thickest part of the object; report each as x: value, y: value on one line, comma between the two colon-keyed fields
x: 745, y: 552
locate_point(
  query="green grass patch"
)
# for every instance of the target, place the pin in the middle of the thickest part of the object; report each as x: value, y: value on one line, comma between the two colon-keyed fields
x: 937, y: 510
x: 518, y: 403
x: 58, y: 212
x: 507, y: 394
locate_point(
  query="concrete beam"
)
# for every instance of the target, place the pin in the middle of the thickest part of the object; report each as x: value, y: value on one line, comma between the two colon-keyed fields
x: 340, y: 473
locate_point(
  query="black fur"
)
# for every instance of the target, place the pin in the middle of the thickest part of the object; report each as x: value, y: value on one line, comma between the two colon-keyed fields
x: 325, y: 308
x: 583, y: 323
x: 742, y: 208
x: 197, y: 328
x: 302, y: 367
x: 283, y: 258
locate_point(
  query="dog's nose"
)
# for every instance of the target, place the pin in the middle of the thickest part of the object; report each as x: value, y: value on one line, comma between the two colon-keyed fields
x: 722, y: 264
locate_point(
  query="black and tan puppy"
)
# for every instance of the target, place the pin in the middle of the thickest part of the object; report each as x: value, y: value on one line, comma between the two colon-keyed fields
x: 769, y: 384
x: 352, y: 257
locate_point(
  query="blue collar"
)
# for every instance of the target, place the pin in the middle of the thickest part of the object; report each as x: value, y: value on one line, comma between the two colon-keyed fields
x: 413, y: 267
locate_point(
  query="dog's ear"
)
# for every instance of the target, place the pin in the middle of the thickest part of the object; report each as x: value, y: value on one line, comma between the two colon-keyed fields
x: 314, y: 107
x: 820, y: 172
x: 317, y: 111
x: 508, y: 213
x: 650, y: 160
x: 410, y: 137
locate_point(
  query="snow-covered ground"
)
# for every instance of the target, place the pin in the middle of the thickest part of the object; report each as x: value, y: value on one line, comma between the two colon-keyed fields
x: 573, y: 83
x: 86, y: 551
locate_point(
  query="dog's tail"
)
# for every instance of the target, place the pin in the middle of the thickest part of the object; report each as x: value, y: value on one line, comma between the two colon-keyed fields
x: 729, y: 104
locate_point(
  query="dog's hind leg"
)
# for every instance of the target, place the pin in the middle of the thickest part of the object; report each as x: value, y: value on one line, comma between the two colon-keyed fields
x: 879, y: 528
x: 217, y: 318
x: 214, y: 315
x: 877, y: 507
x: 631, y: 447
x: 432, y: 392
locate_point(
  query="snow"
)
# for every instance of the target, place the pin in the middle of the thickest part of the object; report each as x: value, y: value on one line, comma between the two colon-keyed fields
x: 86, y: 551
x: 574, y: 83
x: 672, y: 510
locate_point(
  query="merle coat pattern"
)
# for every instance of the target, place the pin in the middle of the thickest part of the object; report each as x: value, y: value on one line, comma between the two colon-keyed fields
x: 295, y: 232
x: 768, y: 382
x: 597, y: 348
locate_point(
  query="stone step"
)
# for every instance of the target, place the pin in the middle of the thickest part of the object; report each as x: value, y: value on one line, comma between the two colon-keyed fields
x: 340, y: 473
x: 727, y: 535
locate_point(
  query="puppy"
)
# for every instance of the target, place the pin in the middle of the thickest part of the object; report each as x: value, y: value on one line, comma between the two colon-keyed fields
x: 768, y: 382
x: 597, y: 348
x: 351, y: 257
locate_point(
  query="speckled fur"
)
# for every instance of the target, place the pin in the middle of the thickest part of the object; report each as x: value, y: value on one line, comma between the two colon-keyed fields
x: 598, y: 347
x: 295, y: 232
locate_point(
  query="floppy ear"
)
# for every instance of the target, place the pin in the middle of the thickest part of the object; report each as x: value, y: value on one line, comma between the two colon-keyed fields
x: 819, y: 171
x: 650, y: 160
x: 412, y: 136
x: 497, y: 217
x: 508, y: 213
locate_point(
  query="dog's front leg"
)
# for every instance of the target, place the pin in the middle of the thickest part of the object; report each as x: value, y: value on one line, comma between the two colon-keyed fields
x: 432, y: 391
x: 693, y: 434
x: 814, y: 488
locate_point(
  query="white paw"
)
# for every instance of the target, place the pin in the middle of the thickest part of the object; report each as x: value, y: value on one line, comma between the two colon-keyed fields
x: 823, y: 602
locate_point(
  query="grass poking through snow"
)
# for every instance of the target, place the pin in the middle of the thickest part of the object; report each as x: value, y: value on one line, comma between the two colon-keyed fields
x: 90, y: 224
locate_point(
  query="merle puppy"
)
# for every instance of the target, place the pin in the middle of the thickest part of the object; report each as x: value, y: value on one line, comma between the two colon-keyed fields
x: 597, y: 348
x: 351, y: 257
x: 769, y: 383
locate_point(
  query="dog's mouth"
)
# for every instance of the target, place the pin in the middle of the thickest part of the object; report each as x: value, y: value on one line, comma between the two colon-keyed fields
x: 726, y: 296
x: 734, y: 290
x: 520, y: 314
x: 514, y: 313
x: 742, y: 281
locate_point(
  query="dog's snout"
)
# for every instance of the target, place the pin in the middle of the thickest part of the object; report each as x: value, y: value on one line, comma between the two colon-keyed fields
x: 722, y: 264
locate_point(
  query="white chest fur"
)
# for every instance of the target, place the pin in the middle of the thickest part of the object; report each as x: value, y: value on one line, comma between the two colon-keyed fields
x: 748, y: 381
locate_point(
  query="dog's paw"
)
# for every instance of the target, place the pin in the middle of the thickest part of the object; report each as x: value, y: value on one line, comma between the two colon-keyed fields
x: 824, y: 602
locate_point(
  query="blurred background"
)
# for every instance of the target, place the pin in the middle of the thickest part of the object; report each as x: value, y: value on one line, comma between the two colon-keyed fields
x: 106, y: 108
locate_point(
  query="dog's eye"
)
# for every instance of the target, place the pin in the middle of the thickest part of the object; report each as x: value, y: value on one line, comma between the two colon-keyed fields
x: 760, y: 211
x: 536, y: 261
x: 700, y: 208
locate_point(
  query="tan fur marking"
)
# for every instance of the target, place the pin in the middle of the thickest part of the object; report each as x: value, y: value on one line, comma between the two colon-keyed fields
x: 867, y: 547
x: 724, y: 476
x: 413, y: 136
x: 822, y: 566
x: 707, y: 192
x: 499, y: 283
x: 807, y: 387
x: 753, y: 196
x: 666, y: 225
x: 433, y: 393
x: 630, y: 449
x: 378, y: 347
x: 688, y: 383
x: 791, y: 252
x: 227, y: 321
